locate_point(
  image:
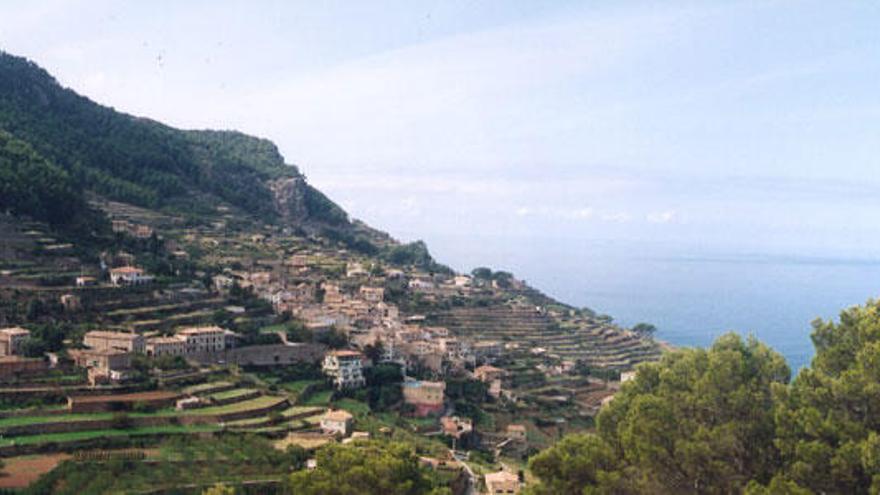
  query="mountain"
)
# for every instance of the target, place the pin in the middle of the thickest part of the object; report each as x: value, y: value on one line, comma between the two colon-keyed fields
x: 140, y: 161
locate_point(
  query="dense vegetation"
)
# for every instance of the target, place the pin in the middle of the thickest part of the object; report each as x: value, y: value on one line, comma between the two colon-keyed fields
x: 138, y: 160
x: 32, y: 185
x: 727, y: 420
x: 415, y: 254
x: 365, y: 467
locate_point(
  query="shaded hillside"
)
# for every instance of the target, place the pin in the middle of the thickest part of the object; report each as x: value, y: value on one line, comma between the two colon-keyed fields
x: 32, y: 185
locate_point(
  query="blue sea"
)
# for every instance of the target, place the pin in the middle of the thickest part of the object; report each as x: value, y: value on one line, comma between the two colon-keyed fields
x: 692, y: 295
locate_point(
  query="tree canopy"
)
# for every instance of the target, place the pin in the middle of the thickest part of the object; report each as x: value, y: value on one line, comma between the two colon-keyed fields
x: 32, y: 185
x: 828, y: 420
x: 727, y: 420
x: 385, y: 468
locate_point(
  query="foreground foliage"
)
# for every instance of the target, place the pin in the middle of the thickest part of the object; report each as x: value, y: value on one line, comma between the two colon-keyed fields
x: 727, y: 420
x: 365, y: 468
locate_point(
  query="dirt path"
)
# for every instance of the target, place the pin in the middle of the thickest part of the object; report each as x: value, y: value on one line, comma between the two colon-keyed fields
x: 19, y: 472
x: 22, y: 471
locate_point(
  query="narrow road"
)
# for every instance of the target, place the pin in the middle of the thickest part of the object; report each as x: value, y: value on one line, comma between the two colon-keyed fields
x: 472, y: 477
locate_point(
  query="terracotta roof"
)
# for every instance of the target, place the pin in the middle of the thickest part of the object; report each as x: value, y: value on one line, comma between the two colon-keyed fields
x: 126, y: 269
x: 198, y: 330
x: 97, y: 352
x: 345, y: 353
x: 109, y: 334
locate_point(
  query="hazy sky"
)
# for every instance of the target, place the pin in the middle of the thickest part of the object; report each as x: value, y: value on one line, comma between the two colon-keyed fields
x: 730, y: 125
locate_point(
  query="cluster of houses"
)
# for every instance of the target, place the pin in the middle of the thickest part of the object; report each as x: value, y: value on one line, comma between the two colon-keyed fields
x: 107, y: 354
x: 356, y: 305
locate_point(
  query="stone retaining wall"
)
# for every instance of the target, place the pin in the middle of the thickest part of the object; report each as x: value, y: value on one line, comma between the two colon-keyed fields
x: 231, y: 400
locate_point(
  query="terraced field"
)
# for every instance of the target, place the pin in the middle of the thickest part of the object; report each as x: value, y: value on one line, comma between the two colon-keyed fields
x: 207, y: 388
x: 233, y: 395
x: 60, y: 438
x: 598, y: 344
x: 52, y: 431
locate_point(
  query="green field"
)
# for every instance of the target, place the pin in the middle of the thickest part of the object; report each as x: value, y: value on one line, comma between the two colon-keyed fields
x: 281, y: 327
x: 55, y: 418
x: 231, y: 394
x: 298, y: 386
x: 85, y: 435
x: 297, y: 410
x: 355, y: 407
x: 205, y: 387
x: 255, y: 403
x: 247, y: 422
x: 321, y: 398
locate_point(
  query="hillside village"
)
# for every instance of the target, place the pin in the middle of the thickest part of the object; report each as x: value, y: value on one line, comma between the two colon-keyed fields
x: 226, y: 324
x: 185, y: 302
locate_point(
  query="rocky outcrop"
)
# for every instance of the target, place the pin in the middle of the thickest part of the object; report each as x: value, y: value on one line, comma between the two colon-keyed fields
x: 289, y: 194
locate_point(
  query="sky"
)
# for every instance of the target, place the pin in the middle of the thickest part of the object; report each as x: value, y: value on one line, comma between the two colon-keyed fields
x: 479, y: 126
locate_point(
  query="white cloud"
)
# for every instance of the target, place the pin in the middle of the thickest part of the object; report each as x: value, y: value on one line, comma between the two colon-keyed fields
x: 661, y: 216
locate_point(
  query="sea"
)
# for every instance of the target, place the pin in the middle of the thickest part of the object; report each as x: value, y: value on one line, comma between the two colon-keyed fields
x: 691, y: 294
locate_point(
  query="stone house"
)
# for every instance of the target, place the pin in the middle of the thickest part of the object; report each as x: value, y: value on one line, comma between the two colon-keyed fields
x: 124, y: 341
x: 203, y: 339
x: 372, y: 294
x: 337, y: 422
x: 456, y: 427
x: 488, y: 374
x: 165, y: 346
x: 332, y: 294
x: 12, y: 340
x: 516, y: 432
x: 103, y: 365
x: 502, y: 482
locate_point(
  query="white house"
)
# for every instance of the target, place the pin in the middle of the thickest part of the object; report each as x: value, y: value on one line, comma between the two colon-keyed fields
x: 129, y: 275
x: 345, y: 368
x: 203, y: 339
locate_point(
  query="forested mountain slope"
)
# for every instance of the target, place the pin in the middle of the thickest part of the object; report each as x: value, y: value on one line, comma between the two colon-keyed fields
x: 140, y: 161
